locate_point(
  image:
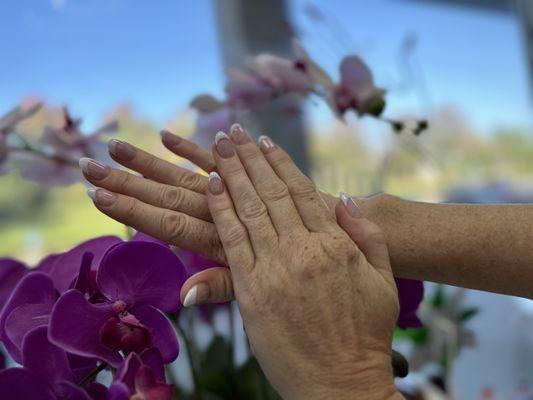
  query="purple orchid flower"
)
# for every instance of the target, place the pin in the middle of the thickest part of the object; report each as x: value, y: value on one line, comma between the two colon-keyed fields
x: 142, y: 376
x: 411, y: 294
x: 47, y: 372
x: 246, y: 90
x: 66, y: 145
x: 138, y: 280
x: 356, y: 89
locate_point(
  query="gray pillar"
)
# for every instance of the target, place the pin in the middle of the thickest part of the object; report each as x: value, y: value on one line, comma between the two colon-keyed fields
x: 248, y: 27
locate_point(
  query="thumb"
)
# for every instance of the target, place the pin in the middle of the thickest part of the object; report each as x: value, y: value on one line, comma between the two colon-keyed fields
x: 212, y: 285
x: 367, y: 235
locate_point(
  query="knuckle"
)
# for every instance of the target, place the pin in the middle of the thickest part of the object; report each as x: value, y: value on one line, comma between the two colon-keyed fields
x: 173, y: 225
x: 301, y: 187
x: 191, y: 181
x: 234, y: 236
x: 123, y: 181
x: 130, y: 209
x: 172, y: 198
x: 275, y: 191
x: 252, y: 209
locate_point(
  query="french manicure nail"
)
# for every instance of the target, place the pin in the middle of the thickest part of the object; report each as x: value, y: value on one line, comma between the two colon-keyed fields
x: 93, y: 169
x: 121, y: 150
x: 224, y: 146
x: 198, y: 294
x: 238, y: 135
x: 266, y: 144
x: 215, y: 184
x: 350, y: 205
x: 101, y: 197
x: 169, y: 138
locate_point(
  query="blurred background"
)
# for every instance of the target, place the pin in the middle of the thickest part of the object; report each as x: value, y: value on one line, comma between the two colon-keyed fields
x: 464, y: 65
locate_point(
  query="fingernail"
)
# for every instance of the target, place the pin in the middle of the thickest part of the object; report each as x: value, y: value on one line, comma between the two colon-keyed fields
x: 224, y: 145
x: 198, y: 294
x: 101, y: 197
x: 215, y: 184
x: 266, y: 144
x: 350, y: 205
x: 93, y: 169
x: 169, y: 138
x: 122, y: 150
x: 238, y: 135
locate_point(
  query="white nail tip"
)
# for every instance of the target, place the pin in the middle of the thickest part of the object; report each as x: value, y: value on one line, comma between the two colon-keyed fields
x: 190, y: 297
x: 213, y: 175
x: 112, y: 145
x: 345, y: 198
x: 83, y: 162
x: 91, y: 192
x: 220, y: 135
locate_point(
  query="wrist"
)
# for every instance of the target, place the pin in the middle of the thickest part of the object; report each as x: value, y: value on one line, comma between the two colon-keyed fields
x: 369, y: 379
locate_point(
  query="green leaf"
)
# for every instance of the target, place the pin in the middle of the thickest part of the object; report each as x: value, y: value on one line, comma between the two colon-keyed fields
x: 417, y: 335
x: 439, y: 298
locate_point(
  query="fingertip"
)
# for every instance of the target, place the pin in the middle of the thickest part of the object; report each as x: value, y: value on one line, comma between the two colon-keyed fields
x: 169, y: 139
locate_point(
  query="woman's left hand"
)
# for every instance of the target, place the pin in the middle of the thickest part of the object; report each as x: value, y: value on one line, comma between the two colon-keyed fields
x: 319, y: 311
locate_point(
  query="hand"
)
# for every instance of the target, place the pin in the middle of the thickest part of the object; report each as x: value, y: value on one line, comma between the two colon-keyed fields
x: 319, y: 311
x: 167, y: 202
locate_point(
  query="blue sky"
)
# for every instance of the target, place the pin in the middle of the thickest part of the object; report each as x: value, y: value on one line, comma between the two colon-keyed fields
x: 92, y: 55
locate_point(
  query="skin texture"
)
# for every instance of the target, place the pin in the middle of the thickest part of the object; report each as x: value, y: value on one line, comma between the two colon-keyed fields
x: 430, y: 242
x: 295, y: 273
x: 313, y: 284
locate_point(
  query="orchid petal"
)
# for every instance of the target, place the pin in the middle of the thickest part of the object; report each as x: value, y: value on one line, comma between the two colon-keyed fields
x: 67, y: 265
x: 69, y: 391
x: 411, y: 294
x: 75, y: 326
x: 44, y: 358
x: 34, y: 288
x: 142, y: 273
x: 127, y: 370
x: 118, y: 391
x: 24, y: 319
x: 149, y: 387
x: 162, y: 332
x: 22, y: 384
x: 11, y: 272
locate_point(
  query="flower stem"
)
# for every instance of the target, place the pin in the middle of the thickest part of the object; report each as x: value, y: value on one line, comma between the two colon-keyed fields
x: 91, y: 375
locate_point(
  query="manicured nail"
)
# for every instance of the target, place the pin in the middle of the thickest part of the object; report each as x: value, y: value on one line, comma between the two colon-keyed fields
x: 198, y: 294
x: 169, y: 138
x: 122, y: 150
x: 352, y: 208
x: 101, y: 197
x: 266, y: 144
x: 224, y: 146
x: 93, y: 169
x: 215, y: 184
x: 238, y: 135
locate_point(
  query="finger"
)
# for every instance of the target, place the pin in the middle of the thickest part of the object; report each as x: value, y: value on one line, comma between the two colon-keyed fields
x: 271, y: 189
x: 315, y: 213
x: 367, y: 236
x: 250, y: 209
x: 155, y: 168
x: 189, y: 150
x: 169, y: 226
x: 212, y: 285
x: 146, y: 190
x: 232, y: 232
